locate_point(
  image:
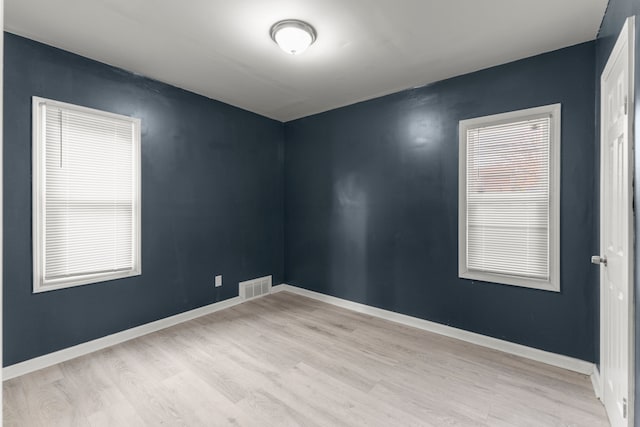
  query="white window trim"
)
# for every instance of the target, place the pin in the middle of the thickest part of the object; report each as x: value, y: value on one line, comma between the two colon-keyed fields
x: 554, y: 216
x: 38, y: 193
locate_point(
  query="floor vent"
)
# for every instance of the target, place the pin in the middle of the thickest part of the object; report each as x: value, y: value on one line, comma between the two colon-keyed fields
x: 255, y: 288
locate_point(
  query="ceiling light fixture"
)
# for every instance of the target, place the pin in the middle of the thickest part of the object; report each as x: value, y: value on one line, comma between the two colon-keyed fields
x: 293, y: 36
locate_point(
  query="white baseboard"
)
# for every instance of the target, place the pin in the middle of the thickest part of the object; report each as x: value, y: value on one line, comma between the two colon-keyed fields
x: 69, y: 353
x: 558, y: 360
x: 561, y: 361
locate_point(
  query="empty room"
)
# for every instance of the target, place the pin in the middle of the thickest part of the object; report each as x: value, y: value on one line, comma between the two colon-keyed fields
x: 329, y: 213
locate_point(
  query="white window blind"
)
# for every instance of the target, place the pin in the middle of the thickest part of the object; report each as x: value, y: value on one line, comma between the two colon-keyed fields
x: 88, y: 197
x: 508, y: 202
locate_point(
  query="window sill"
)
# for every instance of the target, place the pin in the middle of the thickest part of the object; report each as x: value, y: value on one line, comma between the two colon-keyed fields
x: 504, y: 279
x: 68, y: 282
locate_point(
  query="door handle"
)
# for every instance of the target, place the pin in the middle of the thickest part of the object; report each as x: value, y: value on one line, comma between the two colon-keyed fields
x: 599, y: 259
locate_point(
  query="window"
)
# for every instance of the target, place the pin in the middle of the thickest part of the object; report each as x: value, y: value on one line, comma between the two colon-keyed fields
x: 86, y: 195
x: 509, y: 212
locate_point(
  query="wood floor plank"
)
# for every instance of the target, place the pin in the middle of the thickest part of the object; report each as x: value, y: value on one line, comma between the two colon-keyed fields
x: 286, y: 360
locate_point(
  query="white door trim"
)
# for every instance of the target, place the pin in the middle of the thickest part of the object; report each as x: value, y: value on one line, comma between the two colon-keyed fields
x: 626, y: 40
x: 1, y: 186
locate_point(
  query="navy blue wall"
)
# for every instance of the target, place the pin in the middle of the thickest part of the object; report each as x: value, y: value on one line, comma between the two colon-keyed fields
x: 617, y: 12
x: 371, y: 203
x: 370, y: 213
x: 212, y: 201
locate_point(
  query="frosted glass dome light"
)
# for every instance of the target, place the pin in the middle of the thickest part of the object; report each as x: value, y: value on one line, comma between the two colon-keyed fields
x: 293, y: 36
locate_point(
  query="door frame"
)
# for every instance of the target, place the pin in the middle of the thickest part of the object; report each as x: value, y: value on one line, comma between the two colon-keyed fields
x: 626, y: 40
x: 1, y: 191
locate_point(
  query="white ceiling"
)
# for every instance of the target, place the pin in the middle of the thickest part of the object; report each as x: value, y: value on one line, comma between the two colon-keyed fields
x: 365, y: 48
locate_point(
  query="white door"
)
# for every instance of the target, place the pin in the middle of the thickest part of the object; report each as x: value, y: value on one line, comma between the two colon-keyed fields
x: 616, y: 229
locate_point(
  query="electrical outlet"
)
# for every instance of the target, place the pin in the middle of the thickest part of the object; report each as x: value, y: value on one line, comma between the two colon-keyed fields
x: 218, y: 281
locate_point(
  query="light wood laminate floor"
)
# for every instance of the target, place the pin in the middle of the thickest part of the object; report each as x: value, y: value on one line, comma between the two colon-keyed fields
x: 285, y: 360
